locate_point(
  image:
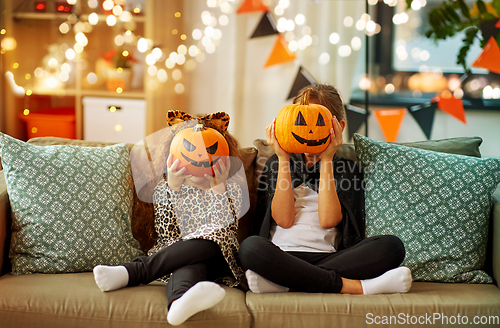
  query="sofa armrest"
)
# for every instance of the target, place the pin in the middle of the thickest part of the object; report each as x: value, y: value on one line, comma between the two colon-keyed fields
x: 5, y: 222
x: 496, y: 236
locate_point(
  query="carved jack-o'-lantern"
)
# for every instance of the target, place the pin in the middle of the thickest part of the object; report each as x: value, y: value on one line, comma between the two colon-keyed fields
x: 199, y: 149
x: 303, y: 127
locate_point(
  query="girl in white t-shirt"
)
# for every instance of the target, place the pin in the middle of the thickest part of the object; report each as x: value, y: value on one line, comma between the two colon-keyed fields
x: 310, y: 222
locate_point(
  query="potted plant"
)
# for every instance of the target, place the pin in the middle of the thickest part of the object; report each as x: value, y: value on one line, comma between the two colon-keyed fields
x: 117, y: 64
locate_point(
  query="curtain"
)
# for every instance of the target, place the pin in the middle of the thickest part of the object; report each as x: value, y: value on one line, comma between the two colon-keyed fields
x: 233, y: 79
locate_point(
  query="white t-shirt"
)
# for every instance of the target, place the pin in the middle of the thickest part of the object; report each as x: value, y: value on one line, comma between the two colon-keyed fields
x: 306, y: 233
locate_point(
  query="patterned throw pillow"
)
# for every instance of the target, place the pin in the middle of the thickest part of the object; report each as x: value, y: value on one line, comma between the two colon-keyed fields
x: 72, y: 206
x: 438, y: 204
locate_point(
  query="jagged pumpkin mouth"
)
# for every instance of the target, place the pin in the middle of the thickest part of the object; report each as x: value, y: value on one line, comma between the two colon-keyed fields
x: 310, y: 143
x: 200, y: 164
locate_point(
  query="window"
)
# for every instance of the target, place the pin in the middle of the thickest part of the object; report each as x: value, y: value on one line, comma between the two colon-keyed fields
x: 407, y: 68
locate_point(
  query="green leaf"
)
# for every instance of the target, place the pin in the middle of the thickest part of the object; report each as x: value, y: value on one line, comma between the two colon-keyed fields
x: 447, y: 17
x: 496, y: 6
x: 481, y: 6
x: 489, y: 16
x: 465, y: 9
x: 453, y: 14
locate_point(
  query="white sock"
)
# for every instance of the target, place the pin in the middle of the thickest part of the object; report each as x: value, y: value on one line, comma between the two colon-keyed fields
x: 261, y: 285
x: 397, y: 280
x: 201, y: 296
x: 110, y: 277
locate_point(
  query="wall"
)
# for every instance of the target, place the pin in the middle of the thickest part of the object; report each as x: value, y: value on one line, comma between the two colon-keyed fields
x: 234, y: 80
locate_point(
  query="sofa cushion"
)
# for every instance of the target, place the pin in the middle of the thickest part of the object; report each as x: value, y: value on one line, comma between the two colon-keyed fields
x: 425, y: 299
x: 72, y: 206
x: 74, y: 300
x: 468, y: 146
x: 438, y: 204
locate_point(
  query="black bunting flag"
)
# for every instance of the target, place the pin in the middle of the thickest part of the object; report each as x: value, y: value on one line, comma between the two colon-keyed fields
x: 489, y: 29
x: 424, y: 115
x: 303, y: 79
x: 355, y: 118
x: 267, y: 26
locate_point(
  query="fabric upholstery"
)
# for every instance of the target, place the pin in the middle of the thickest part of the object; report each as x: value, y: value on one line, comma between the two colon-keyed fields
x: 438, y: 204
x: 74, y: 300
x: 341, y: 310
x: 72, y: 206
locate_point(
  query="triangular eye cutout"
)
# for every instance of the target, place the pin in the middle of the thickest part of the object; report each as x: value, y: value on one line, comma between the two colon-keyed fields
x: 321, y: 121
x: 300, y: 120
x: 189, y: 146
x: 212, y: 149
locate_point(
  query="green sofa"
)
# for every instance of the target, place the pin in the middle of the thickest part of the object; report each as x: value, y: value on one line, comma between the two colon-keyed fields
x: 74, y: 300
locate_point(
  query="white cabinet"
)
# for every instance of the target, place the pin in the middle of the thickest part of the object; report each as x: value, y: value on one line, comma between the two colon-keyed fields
x: 114, y: 119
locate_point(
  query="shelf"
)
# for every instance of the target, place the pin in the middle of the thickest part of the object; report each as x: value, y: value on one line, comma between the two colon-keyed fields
x: 64, y: 16
x: 104, y: 93
x: 42, y: 16
x: 88, y: 93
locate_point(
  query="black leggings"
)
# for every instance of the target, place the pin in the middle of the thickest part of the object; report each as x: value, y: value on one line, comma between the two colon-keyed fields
x: 187, y: 261
x: 321, y: 272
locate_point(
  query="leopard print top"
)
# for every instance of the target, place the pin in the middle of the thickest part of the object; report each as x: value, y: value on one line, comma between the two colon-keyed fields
x: 193, y: 213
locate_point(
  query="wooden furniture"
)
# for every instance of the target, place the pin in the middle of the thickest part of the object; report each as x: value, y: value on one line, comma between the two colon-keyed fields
x: 38, y: 38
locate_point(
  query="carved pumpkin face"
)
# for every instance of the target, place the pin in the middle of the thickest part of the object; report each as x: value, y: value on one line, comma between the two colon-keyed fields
x: 303, y: 128
x: 199, y: 149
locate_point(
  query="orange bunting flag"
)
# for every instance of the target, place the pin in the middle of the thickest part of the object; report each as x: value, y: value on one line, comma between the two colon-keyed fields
x: 390, y: 121
x: 280, y: 54
x: 490, y: 57
x: 497, y: 25
x: 252, y: 6
x: 451, y: 105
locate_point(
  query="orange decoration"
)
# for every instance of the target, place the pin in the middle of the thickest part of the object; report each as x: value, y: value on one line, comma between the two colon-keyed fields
x: 280, y: 53
x: 497, y: 25
x: 199, y: 149
x: 390, y: 121
x: 451, y: 105
x: 490, y: 57
x: 251, y: 6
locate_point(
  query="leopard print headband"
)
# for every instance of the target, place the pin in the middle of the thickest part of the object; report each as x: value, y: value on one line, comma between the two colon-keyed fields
x: 219, y: 119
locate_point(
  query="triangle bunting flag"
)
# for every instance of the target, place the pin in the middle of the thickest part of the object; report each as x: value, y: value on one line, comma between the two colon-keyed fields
x: 280, y: 53
x: 489, y: 29
x: 252, y: 6
x: 424, y: 115
x: 390, y: 121
x: 452, y: 106
x: 355, y: 118
x: 267, y: 26
x: 490, y: 57
x: 303, y: 79
x: 497, y: 25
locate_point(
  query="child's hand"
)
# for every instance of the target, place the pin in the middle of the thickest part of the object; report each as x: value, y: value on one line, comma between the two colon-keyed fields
x: 273, y: 142
x: 175, y: 177
x: 336, y: 140
x: 221, y: 172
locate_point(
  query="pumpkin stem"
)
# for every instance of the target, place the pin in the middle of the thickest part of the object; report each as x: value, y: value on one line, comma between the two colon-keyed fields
x: 198, y: 127
x: 304, y: 98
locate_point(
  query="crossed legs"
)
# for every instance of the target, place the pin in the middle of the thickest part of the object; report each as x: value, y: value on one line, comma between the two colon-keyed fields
x: 191, y: 263
x: 370, y: 266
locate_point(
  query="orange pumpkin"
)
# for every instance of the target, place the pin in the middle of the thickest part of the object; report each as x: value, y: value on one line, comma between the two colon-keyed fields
x: 303, y: 127
x: 198, y: 149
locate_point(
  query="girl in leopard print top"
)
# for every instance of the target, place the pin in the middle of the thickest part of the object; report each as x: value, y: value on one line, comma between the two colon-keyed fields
x: 196, y: 221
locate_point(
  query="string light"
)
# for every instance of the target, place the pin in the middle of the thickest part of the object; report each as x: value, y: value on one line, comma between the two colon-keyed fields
x: 92, y: 78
